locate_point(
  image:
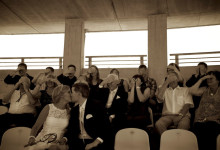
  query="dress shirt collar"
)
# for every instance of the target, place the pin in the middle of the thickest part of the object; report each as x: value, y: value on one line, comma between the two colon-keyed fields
x: 178, y: 87
x: 83, y: 105
x: 114, y: 91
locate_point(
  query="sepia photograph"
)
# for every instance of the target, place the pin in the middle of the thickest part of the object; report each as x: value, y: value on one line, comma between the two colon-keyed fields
x: 109, y: 75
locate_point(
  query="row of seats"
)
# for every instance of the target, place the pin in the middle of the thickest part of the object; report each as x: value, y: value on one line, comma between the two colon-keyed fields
x: 126, y: 139
x: 174, y: 139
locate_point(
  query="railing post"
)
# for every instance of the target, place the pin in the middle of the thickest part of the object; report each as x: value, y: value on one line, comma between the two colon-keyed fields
x: 90, y: 61
x: 177, y: 59
x: 22, y: 60
x: 60, y: 63
x: 141, y: 60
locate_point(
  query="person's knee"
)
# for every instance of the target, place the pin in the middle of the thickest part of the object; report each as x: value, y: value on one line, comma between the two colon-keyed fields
x: 159, y: 124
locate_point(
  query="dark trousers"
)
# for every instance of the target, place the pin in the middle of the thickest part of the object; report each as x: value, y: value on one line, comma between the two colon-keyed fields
x: 81, y: 144
x: 206, y: 133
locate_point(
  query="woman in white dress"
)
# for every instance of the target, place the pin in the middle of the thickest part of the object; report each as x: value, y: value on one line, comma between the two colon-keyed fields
x: 53, y: 121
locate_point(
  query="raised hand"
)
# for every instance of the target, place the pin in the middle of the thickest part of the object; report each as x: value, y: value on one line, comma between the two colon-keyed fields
x: 138, y: 82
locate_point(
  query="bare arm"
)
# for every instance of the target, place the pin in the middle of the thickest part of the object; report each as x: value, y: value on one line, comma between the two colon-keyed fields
x: 36, y: 77
x: 161, y: 91
x: 131, y: 96
x: 185, y: 109
x: 7, y: 97
x: 143, y: 96
x: 195, y: 90
x: 29, y: 95
x: 40, y: 121
x: 131, y: 93
x: 126, y: 86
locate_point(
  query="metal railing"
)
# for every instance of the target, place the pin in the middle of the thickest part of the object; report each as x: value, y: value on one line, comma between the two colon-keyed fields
x: 116, y: 60
x: 186, y: 59
x: 32, y: 62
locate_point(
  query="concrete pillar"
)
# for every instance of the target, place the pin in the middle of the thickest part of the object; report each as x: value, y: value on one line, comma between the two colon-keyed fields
x: 157, y: 47
x: 74, y: 44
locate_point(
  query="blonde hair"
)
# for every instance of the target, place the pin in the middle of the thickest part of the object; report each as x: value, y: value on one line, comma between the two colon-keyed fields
x: 58, y: 92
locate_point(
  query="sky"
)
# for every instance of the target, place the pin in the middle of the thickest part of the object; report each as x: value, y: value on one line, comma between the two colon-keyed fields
x: 185, y: 40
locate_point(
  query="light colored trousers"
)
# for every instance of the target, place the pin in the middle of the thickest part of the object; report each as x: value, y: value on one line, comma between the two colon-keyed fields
x: 168, y: 120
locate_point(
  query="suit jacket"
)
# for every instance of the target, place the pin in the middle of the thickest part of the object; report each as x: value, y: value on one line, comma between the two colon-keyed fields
x: 119, y: 104
x: 96, y: 123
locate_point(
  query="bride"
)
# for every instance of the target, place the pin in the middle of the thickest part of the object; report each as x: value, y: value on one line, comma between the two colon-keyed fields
x: 53, y: 121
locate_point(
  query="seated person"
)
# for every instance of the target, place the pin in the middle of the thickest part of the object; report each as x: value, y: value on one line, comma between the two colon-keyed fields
x: 68, y: 77
x: 22, y: 106
x: 151, y: 83
x: 201, y: 71
x: 176, y: 103
x: 15, y: 76
x: 138, y: 115
x: 42, y: 76
x: 45, y: 95
x: 93, y: 79
x: 123, y: 82
x: 114, y: 99
x: 89, y: 126
x: 207, y: 116
x: 53, y: 119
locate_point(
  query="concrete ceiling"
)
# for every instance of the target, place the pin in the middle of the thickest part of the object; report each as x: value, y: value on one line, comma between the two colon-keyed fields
x: 48, y: 16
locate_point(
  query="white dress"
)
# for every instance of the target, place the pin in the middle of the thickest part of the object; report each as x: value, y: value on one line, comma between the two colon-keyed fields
x: 56, y: 122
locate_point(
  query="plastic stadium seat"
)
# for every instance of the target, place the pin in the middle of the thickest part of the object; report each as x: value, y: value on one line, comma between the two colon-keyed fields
x: 218, y: 142
x: 3, y: 110
x: 178, y: 139
x: 15, y: 138
x: 132, y: 139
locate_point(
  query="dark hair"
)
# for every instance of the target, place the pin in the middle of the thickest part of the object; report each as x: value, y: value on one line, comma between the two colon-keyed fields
x: 142, y: 66
x: 98, y: 76
x: 139, y: 76
x: 114, y: 69
x: 51, y: 69
x: 72, y: 66
x: 174, y: 64
x: 82, y: 88
x: 204, y: 64
x: 216, y: 74
x: 22, y: 64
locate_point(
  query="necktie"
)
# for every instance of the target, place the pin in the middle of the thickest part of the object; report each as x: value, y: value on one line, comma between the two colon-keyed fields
x: 82, y: 121
x: 110, y: 99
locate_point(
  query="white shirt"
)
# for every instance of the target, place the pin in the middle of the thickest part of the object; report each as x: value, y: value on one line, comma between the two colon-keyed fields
x: 175, y: 99
x: 83, y: 133
x: 111, y: 97
x: 20, y: 106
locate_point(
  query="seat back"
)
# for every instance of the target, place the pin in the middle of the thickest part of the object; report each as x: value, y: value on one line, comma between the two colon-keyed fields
x: 218, y: 142
x: 178, y: 139
x: 15, y: 138
x: 132, y: 139
x: 3, y: 110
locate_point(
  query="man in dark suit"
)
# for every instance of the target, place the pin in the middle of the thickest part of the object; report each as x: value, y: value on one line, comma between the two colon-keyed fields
x: 88, y: 126
x: 114, y: 99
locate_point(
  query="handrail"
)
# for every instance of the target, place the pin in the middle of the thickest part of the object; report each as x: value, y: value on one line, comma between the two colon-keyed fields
x: 208, y: 59
x: 55, y: 62
x: 91, y: 60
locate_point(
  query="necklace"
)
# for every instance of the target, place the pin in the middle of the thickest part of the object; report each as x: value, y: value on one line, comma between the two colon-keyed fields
x: 212, y: 93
